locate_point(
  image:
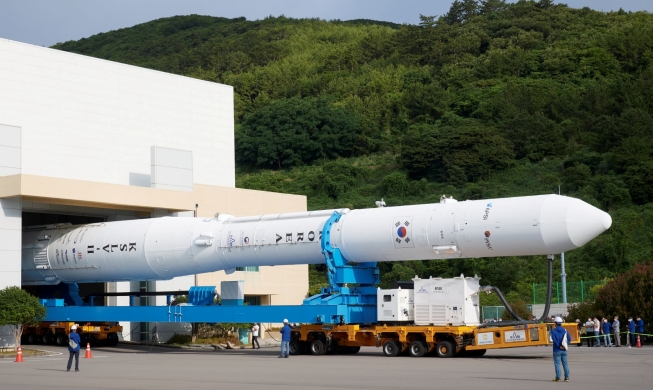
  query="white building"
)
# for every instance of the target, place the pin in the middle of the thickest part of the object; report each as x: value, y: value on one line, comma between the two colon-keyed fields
x: 87, y: 140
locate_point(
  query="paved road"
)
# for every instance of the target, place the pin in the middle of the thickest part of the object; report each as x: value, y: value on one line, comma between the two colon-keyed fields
x: 132, y: 367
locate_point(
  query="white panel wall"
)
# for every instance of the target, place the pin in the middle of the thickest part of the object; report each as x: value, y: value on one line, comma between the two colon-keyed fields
x: 9, y: 149
x: 172, y: 169
x: 10, y: 241
x: 89, y: 119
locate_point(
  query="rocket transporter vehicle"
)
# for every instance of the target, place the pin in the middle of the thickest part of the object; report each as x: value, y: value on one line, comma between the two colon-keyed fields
x: 164, y: 248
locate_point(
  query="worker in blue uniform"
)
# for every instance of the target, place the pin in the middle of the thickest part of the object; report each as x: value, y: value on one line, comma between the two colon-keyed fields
x: 558, y: 335
x: 631, y: 332
x: 285, y: 339
x: 73, y: 347
x: 605, y: 329
x: 640, y: 328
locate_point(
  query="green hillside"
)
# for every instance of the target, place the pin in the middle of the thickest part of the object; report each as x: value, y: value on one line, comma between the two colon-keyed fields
x: 489, y: 100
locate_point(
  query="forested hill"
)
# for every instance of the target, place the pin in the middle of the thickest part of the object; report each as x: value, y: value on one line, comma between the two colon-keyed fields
x: 491, y: 99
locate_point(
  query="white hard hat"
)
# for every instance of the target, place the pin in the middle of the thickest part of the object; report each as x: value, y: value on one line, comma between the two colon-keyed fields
x: 285, y: 320
x: 558, y: 320
x: 74, y: 327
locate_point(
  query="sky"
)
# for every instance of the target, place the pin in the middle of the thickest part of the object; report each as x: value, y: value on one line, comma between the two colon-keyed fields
x: 46, y: 22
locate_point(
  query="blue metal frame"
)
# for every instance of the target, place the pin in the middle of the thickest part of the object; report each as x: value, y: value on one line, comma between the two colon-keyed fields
x: 337, y: 304
x: 360, y: 299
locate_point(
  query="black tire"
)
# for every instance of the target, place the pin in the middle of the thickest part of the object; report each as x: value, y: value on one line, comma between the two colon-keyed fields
x: 476, y: 352
x: 417, y: 349
x: 33, y: 339
x: 391, y: 348
x: 444, y: 349
x: 112, y: 339
x: 352, y: 350
x: 61, y: 339
x: 318, y: 347
x: 88, y: 339
x: 294, y: 347
x: 48, y: 338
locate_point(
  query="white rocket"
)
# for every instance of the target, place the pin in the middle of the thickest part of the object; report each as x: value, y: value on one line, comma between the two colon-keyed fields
x: 163, y: 248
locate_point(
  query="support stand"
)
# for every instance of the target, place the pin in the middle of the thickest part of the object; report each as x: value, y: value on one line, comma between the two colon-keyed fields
x: 358, y: 301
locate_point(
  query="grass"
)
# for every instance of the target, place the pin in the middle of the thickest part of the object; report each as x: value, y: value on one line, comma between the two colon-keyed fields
x: 10, y: 353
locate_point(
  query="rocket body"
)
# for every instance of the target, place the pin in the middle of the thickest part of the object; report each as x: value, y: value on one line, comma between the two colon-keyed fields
x: 163, y: 248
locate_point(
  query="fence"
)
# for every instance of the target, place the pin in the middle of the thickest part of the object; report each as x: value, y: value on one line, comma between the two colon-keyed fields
x: 576, y: 291
x: 493, y: 313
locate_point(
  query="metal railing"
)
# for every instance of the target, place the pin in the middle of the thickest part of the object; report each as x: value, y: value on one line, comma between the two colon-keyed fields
x: 576, y: 291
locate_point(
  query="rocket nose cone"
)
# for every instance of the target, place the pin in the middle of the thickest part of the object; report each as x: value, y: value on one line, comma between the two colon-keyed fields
x: 570, y: 223
x: 585, y: 222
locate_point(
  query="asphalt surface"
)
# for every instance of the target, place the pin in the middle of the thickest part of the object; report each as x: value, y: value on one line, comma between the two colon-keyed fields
x: 133, y: 367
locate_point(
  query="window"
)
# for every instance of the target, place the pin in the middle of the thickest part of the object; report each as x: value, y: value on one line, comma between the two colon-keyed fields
x: 252, y: 301
x: 248, y: 269
x: 387, y: 298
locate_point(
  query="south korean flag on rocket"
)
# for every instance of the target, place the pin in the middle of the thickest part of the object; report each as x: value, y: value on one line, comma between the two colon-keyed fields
x: 402, y: 232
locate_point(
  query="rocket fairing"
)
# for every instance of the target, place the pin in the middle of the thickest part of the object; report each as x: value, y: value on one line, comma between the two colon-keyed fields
x: 163, y: 248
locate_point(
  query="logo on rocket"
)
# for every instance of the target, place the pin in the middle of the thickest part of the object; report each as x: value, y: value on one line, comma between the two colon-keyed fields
x: 487, y: 240
x: 487, y: 211
x: 403, y: 232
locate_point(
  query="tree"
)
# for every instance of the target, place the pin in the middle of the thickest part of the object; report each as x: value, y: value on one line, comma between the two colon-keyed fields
x: 17, y: 309
x: 629, y: 294
x: 519, y: 307
x: 455, y: 154
x: 292, y: 132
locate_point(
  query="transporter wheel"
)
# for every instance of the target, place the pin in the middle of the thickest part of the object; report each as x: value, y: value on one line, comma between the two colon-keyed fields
x: 48, y: 338
x: 33, y: 338
x: 444, y: 349
x: 88, y: 339
x: 476, y: 352
x: 417, y: 349
x: 352, y: 350
x: 112, y: 339
x: 61, y: 339
x: 295, y: 347
x: 391, y: 348
x: 318, y: 347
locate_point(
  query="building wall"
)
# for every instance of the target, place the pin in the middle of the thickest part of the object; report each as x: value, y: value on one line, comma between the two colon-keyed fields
x: 89, y: 119
x: 78, y: 136
x: 10, y: 208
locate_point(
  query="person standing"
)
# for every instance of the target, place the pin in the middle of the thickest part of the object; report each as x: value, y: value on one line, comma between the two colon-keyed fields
x: 616, y: 332
x: 560, y: 335
x: 631, y: 333
x: 597, y: 331
x: 606, y: 333
x: 255, y: 343
x: 73, y: 347
x: 581, y: 331
x: 155, y: 334
x: 285, y: 339
x: 589, y: 330
x: 640, y: 328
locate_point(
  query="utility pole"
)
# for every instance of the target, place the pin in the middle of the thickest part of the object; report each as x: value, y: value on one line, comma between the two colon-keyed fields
x: 563, y: 275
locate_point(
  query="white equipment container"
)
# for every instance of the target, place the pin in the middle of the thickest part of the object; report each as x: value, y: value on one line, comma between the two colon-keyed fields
x: 395, y: 305
x: 447, y: 301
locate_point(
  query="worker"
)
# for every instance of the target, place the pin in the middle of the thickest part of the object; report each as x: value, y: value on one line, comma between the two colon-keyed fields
x: 155, y: 335
x: 605, y: 327
x: 597, y: 331
x: 255, y: 343
x: 631, y: 333
x: 589, y: 330
x: 560, y: 338
x: 640, y: 328
x: 285, y: 339
x: 581, y: 331
x: 616, y: 331
x: 73, y: 347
